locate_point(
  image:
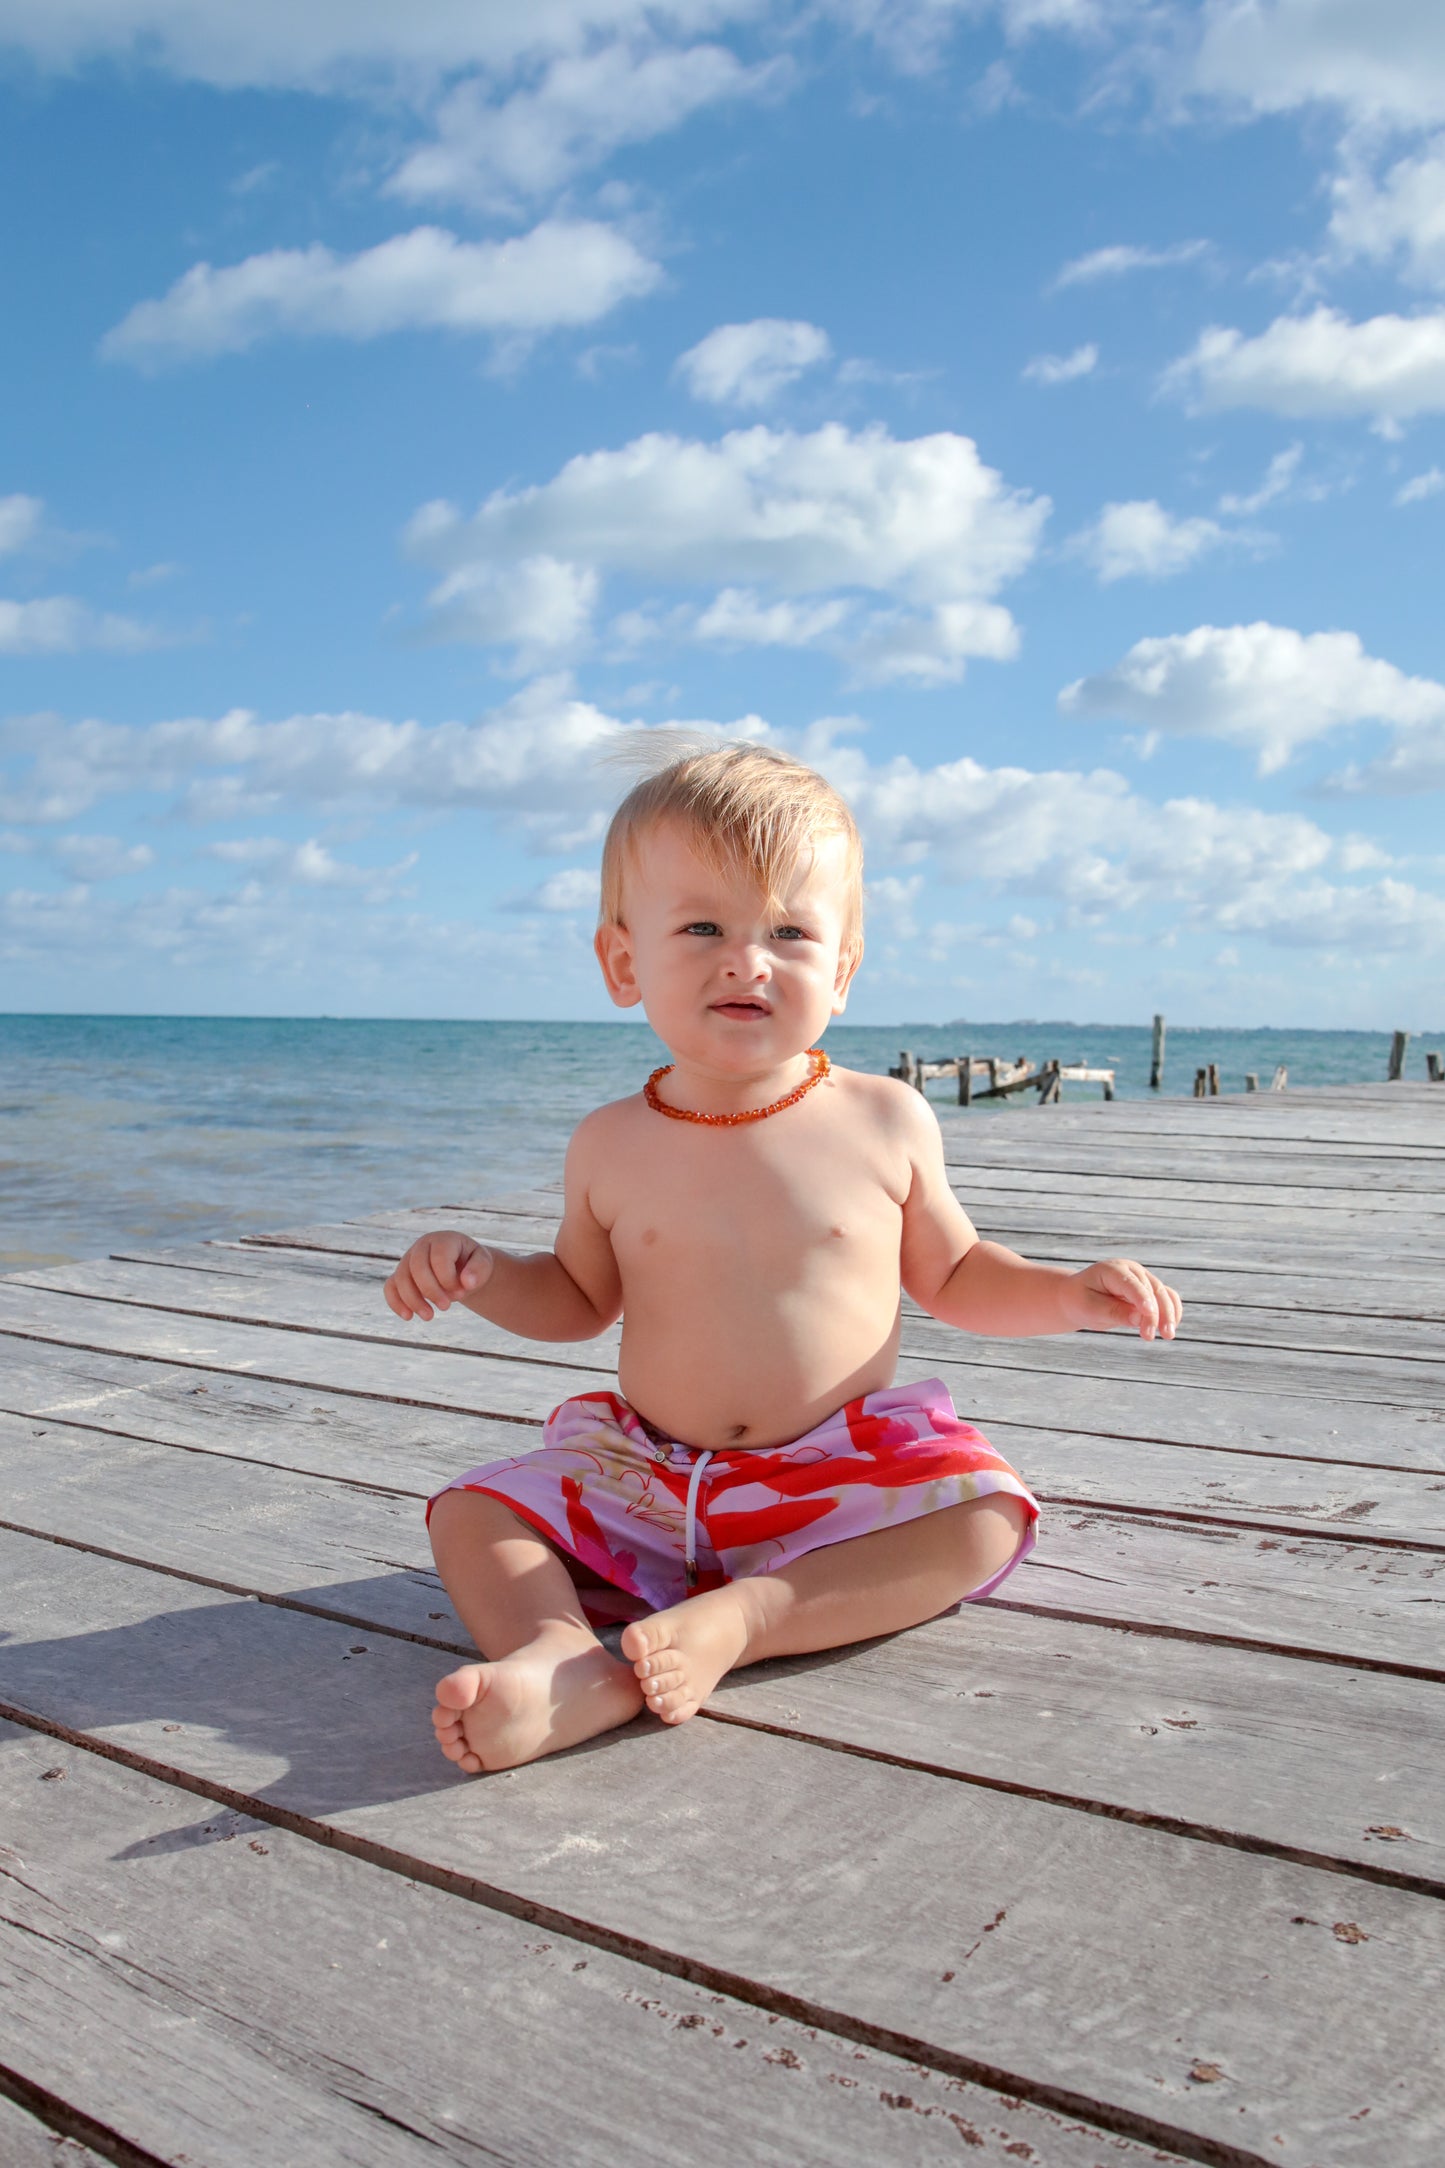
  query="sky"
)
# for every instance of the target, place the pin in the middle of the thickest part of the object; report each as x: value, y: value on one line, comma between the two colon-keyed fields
x: 1029, y: 411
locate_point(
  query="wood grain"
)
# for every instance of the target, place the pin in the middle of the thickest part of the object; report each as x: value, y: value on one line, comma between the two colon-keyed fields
x: 212, y: 1985
x: 814, y: 1877
x: 365, y: 1557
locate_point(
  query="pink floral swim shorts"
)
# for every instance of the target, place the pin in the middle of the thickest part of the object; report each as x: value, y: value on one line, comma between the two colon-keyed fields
x: 657, y: 1520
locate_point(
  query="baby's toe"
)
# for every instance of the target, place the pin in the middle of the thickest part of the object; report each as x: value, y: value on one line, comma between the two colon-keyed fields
x: 459, y: 1689
x: 667, y: 1701
x: 661, y: 1674
x: 641, y: 1640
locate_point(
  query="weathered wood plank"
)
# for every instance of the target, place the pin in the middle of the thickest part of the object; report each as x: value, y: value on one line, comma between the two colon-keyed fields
x: 190, y: 1954
x: 1210, y: 1325
x: 352, y: 1311
x: 1317, y: 1790
x: 1343, y: 1380
x: 1275, y: 1591
x: 408, y: 1380
x: 1342, y: 1297
x: 1232, y: 1740
x: 1118, y: 1137
x: 812, y: 1876
x: 1158, y: 1187
x: 1378, y: 1280
x: 1298, y: 1496
x: 426, y: 1376
x: 26, y: 2142
x: 1340, y: 1331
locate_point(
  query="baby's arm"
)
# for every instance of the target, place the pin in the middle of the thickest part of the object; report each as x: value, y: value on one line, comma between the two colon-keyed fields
x: 570, y: 1292
x: 983, y: 1287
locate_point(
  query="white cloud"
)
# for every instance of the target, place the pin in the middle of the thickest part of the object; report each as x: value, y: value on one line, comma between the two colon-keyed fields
x: 919, y: 521
x: 1278, y: 481
x: 562, y: 273
x: 1421, y: 486
x: 1388, y: 369
x: 1378, y: 916
x: 736, y: 617
x: 336, y: 45
x: 532, y: 759
x: 933, y: 648
x: 60, y: 625
x: 308, y: 865
x: 747, y: 365
x: 540, y: 606
x: 490, y: 151
x: 1400, y: 218
x: 575, y: 888
x: 1086, y: 838
x: 19, y: 522
x: 1380, y: 62
x: 101, y: 858
x: 1140, y: 540
x: 1119, y: 260
x: 1262, y: 686
x: 1062, y: 368
x: 1413, y: 765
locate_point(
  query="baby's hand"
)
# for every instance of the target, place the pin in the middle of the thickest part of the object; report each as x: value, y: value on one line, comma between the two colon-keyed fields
x: 1119, y: 1292
x: 437, y: 1271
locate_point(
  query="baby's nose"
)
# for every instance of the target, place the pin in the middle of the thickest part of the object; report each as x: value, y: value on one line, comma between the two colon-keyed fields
x: 748, y: 963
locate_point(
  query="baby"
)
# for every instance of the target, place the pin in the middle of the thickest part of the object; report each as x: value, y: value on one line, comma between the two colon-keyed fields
x: 760, y: 1486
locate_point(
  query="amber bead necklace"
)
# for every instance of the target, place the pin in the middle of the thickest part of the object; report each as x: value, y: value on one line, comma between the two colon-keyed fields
x: 730, y: 1121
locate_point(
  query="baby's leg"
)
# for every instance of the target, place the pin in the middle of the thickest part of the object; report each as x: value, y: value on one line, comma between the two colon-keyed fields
x: 549, y: 1681
x: 873, y: 1584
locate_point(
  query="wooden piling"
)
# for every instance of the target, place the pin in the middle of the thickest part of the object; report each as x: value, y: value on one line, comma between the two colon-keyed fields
x: 965, y: 1080
x: 1397, y: 1056
x: 1156, y: 1057
x: 1214, y: 1080
x: 1281, y: 1078
x: 1201, y: 1083
x: 1435, y: 1068
x: 1251, y: 1081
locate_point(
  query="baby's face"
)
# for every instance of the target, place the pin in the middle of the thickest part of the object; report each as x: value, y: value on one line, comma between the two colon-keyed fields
x: 727, y: 984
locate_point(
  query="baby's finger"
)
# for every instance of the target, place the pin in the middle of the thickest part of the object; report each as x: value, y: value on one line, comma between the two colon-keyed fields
x: 431, y: 1285
x: 415, y: 1303
x: 1145, y: 1300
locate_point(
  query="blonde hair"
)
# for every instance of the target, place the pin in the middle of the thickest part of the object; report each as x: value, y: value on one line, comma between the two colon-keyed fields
x: 743, y: 806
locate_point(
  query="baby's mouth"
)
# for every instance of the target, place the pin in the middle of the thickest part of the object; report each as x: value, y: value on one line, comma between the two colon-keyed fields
x: 743, y: 1011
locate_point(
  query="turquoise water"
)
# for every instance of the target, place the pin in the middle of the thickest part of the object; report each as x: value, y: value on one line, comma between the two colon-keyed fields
x: 117, y: 1130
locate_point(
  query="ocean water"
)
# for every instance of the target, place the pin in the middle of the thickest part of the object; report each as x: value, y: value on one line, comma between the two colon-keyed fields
x: 121, y: 1130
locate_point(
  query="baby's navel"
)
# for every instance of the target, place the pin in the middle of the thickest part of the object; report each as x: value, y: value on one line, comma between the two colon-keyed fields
x: 649, y: 1236
x: 838, y: 1232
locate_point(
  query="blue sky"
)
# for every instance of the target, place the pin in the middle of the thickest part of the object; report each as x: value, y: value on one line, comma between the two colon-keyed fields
x: 1029, y: 409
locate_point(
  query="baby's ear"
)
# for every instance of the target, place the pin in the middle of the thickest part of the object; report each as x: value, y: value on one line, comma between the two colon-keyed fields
x: 613, y: 946
x: 849, y: 958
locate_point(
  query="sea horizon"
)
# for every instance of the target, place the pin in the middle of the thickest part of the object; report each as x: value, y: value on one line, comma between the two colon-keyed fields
x: 132, y: 1130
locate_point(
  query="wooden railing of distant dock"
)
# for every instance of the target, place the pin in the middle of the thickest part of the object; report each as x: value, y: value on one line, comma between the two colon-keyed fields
x: 1003, y: 1078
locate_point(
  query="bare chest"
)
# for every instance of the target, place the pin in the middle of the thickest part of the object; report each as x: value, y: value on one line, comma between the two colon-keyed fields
x: 777, y: 1210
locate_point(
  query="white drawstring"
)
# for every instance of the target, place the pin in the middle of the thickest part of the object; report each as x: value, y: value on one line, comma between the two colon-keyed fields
x: 689, y: 1535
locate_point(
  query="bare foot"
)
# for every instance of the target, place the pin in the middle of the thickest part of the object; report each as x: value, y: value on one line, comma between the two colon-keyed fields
x: 544, y: 1697
x: 680, y: 1654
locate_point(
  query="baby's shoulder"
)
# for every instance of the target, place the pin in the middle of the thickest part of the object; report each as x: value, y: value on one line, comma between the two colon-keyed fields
x: 606, y: 1124
x: 885, y: 1103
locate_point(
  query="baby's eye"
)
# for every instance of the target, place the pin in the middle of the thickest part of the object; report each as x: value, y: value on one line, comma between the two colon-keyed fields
x: 703, y: 926
x: 790, y: 933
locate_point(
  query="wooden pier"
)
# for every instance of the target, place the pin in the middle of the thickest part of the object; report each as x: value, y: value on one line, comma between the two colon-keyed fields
x: 1141, y: 1861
